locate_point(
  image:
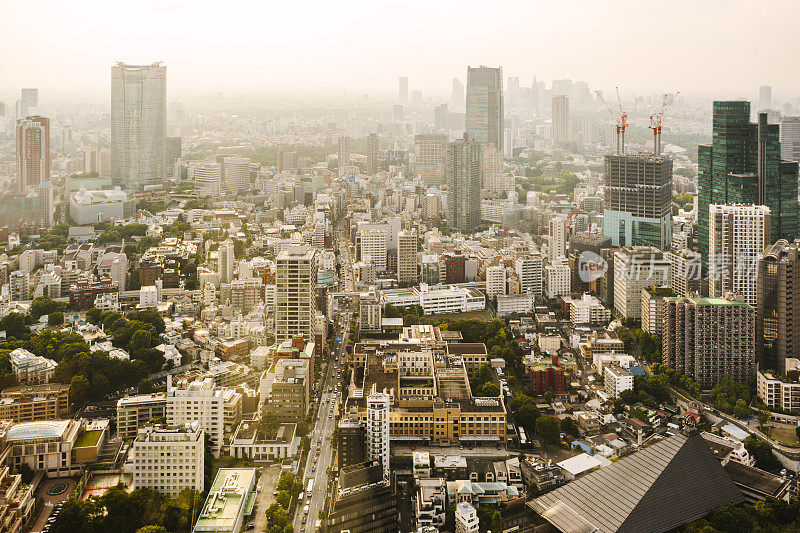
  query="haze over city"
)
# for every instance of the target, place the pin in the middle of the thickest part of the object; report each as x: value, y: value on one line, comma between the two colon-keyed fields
x: 400, y: 267
x: 359, y: 47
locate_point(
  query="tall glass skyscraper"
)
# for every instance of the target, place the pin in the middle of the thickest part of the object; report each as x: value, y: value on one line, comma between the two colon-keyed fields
x: 485, y: 105
x: 139, y: 124
x: 463, y: 169
x: 743, y: 165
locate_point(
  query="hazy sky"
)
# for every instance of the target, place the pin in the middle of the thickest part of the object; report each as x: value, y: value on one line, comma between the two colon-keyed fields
x: 727, y: 47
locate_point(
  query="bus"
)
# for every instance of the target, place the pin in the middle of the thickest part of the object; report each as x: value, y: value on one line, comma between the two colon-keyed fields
x: 310, y: 486
x: 522, y: 439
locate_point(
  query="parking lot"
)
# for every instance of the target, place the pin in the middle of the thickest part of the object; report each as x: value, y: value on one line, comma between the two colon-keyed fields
x: 51, y: 500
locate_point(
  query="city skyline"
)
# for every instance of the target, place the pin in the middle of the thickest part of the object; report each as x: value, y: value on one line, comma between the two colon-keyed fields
x: 607, y: 44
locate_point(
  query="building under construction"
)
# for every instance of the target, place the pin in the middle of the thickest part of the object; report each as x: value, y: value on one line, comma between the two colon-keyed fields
x: 638, y: 200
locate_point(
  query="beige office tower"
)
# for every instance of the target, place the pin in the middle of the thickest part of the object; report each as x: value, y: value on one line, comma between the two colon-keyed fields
x: 295, y: 281
x: 344, y: 155
x: 33, y: 152
x: 429, y: 160
x: 485, y: 105
x: 235, y: 174
x: 139, y: 124
x: 561, y: 120
x: 407, y: 244
x: 226, y: 260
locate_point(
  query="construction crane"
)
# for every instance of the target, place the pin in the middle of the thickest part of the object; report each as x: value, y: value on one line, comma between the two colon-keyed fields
x: 622, y: 119
x: 655, y: 121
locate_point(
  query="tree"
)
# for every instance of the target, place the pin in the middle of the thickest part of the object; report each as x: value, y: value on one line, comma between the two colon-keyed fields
x: 78, y: 388
x: 285, y: 482
x: 762, y: 452
x: 283, y: 498
x: 524, y: 410
x: 763, y: 418
x: 55, y: 319
x: 152, y: 529
x: 548, y: 428
x: 497, y: 522
x: 490, y: 389
x: 268, y: 425
x: 569, y: 427
x: 145, y: 386
x: 15, y: 326
x: 140, y: 340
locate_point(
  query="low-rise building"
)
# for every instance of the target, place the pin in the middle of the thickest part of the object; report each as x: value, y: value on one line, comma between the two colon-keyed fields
x: 248, y: 442
x: 31, y: 369
x: 778, y: 391
x: 230, y: 499
x: 29, y: 403
x: 466, y: 518
x: 616, y: 380
x: 44, y: 445
x: 168, y: 459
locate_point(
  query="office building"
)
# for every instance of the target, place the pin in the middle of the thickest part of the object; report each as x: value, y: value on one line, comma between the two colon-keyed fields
x: 235, y: 174
x: 344, y: 155
x: 463, y: 169
x: 743, y: 166
x: 45, y: 203
x: 737, y: 236
x: 229, y: 501
x: 373, y: 247
x: 351, y: 443
x: 557, y: 247
x: 706, y: 338
x: 28, y: 102
x: 92, y: 207
x: 167, y: 459
x: 246, y: 294
x: 288, y: 393
x: 363, y: 501
x: 402, y: 90
x: 226, y: 261
x: 495, y: 280
x: 429, y: 163
x: 764, y: 97
x: 485, y: 111
x: 295, y: 292
x: 790, y: 138
x: 207, y: 179
x: 33, y: 152
x: 588, y: 309
x: 29, y: 403
x: 373, y: 143
x: 558, y: 279
x: 778, y: 304
x: 204, y: 402
x: 561, y: 124
x: 46, y: 445
x: 638, y: 200
x: 378, y: 430
x: 652, y: 311
x: 407, y: 245
x: 530, y: 273
x: 635, y: 269
x: 139, y: 124
x: 133, y: 412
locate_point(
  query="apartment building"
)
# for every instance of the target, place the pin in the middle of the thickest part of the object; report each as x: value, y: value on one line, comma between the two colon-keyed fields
x: 295, y: 290
x: 616, y: 379
x: 214, y: 407
x: 133, y: 412
x: 29, y: 403
x: 635, y: 269
x: 168, y: 459
x: 706, y: 338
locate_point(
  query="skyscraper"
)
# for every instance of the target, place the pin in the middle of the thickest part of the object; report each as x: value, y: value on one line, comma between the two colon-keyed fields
x: 457, y: 96
x: 463, y: 169
x: 558, y: 238
x: 790, y: 138
x: 706, y: 338
x: 402, y: 90
x: 344, y: 155
x: 737, y: 235
x: 764, y: 97
x: 407, y: 244
x: 226, y: 259
x: 33, y: 152
x: 45, y: 205
x: 778, y: 320
x: 485, y: 105
x: 296, y: 272
x: 561, y: 134
x: 743, y: 166
x: 28, y: 102
x: 378, y: 429
x: 638, y: 200
x: 139, y: 124
x: 429, y: 163
x: 372, y: 154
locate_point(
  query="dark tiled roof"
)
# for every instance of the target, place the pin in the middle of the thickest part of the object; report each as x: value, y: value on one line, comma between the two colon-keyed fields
x: 656, y: 489
x: 755, y: 479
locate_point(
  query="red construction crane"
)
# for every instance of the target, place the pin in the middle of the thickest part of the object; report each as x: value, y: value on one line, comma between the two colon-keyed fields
x: 655, y: 121
x: 622, y: 120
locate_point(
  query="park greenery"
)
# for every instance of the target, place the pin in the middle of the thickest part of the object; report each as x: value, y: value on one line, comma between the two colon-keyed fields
x: 770, y: 515
x: 140, y: 511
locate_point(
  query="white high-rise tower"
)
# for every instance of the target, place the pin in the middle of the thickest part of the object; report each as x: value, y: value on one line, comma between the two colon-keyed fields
x: 378, y: 429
